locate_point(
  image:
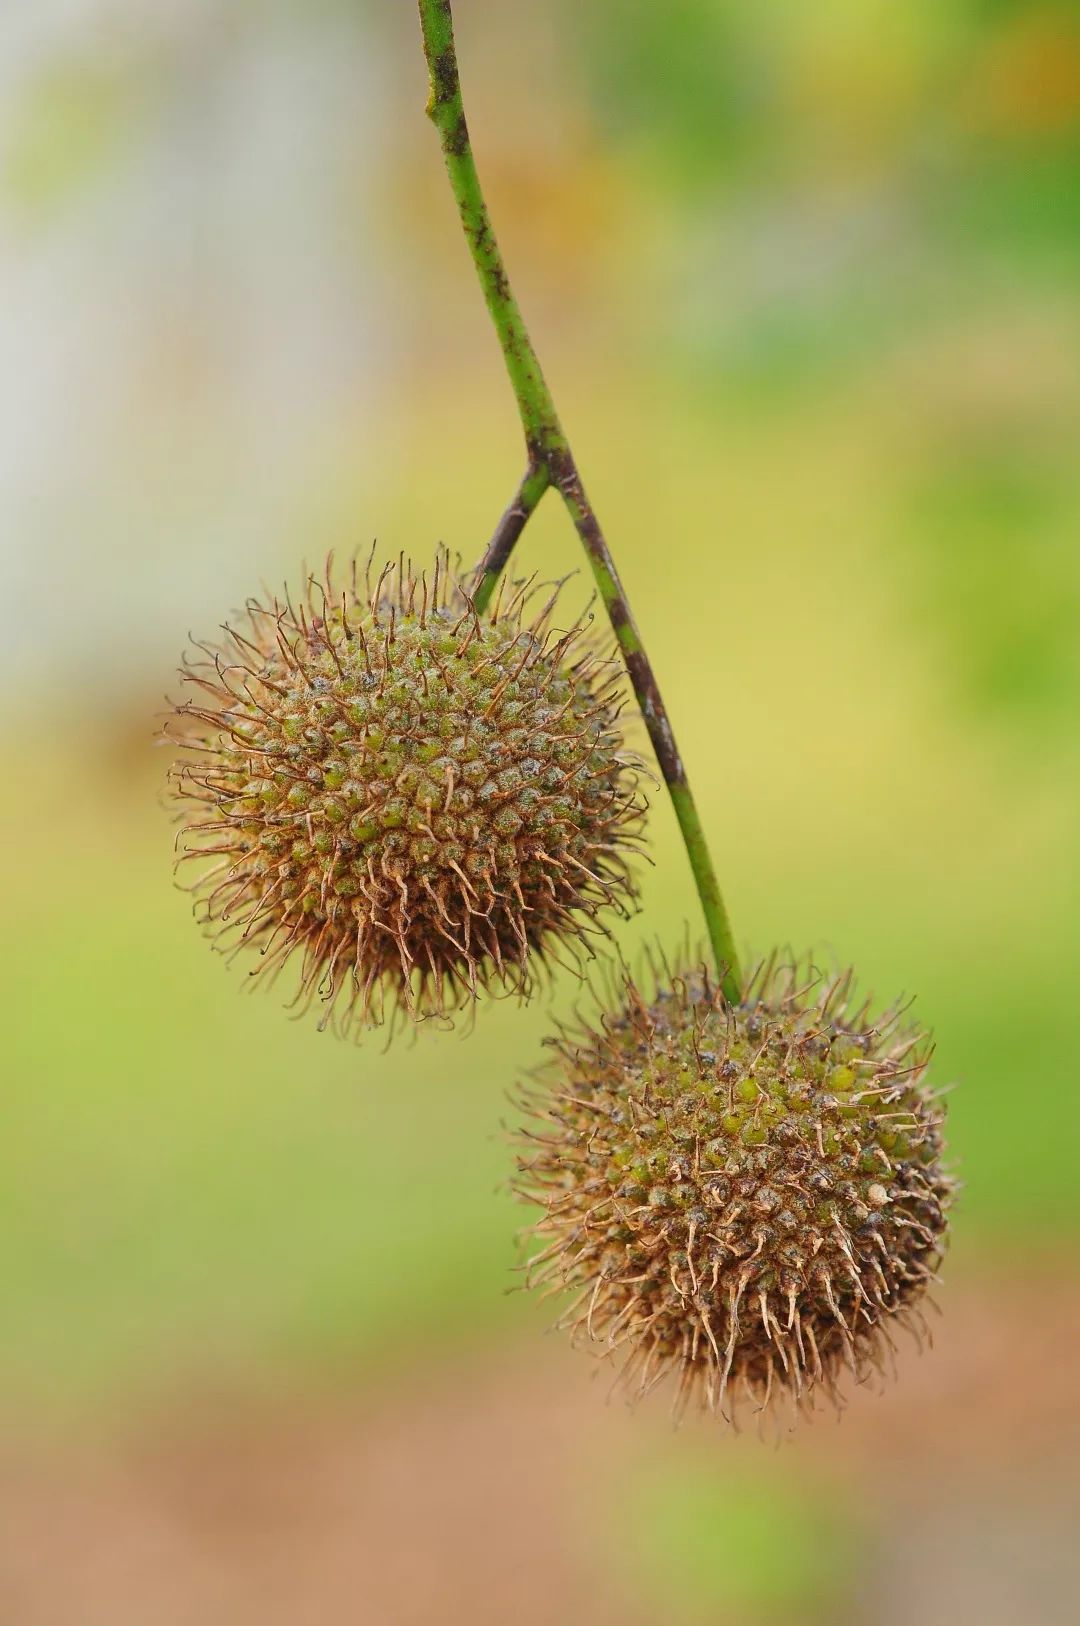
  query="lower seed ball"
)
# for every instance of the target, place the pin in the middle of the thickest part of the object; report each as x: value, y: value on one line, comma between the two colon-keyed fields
x: 417, y: 803
x: 747, y: 1198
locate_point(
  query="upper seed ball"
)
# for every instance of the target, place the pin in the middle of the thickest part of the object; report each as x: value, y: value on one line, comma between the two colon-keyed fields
x: 744, y: 1196
x: 417, y: 800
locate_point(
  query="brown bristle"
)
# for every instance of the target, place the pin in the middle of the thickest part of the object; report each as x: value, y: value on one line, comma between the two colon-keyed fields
x: 419, y: 803
x: 747, y: 1198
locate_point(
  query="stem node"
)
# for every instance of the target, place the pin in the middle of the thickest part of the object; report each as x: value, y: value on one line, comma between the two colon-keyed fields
x: 551, y: 462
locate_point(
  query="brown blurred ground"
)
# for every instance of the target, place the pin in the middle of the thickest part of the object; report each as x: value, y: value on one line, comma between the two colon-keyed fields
x: 482, y: 1493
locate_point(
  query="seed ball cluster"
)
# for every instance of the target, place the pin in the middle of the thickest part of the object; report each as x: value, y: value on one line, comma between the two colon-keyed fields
x: 746, y: 1197
x: 418, y: 802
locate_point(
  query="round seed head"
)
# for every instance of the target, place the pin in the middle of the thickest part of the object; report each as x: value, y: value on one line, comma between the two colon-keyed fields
x: 416, y: 803
x: 748, y: 1198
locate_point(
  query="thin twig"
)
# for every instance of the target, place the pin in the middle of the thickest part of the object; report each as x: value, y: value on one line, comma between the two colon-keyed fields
x: 551, y: 462
x: 534, y: 482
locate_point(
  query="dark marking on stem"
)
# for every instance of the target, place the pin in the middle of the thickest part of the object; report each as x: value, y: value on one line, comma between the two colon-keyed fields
x: 551, y: 462
x: 509, y: 528
x: 445, y: 79
x: 637, y: 663
x: 456, y: 138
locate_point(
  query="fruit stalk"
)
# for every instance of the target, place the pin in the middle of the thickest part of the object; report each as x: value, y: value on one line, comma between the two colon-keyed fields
x: 551, y: 462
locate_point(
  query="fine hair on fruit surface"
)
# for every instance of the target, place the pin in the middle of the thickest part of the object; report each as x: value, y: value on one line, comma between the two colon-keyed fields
x: 746, y: 1199
x: 415, y: 803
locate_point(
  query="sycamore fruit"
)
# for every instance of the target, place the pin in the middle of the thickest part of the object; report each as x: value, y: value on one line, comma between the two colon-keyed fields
x: 748, y: 1197
x: 415, y: 803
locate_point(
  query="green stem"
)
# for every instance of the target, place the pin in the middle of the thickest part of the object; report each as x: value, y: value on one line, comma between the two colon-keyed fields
x: 551, y: 462
x: 534, y: 483
x: 539, y: 419
x: 661, y: 734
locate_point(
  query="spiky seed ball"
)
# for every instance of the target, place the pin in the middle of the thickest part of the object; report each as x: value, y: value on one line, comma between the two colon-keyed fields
x: 418, y: 802
x: 747, y: 1197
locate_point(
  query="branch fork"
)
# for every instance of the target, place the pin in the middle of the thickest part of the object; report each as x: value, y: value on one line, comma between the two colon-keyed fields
x: 551, y: 463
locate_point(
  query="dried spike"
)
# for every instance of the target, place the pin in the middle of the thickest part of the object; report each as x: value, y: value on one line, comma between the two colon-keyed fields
x: 409, y: 842
x: 704, y: 1180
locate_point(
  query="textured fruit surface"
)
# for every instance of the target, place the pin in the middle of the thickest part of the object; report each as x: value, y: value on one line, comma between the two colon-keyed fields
x: 745, y: 1197
x: 418, y: 801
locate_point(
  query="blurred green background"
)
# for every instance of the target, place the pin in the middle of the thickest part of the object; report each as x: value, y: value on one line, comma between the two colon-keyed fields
x: 804, y: 280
